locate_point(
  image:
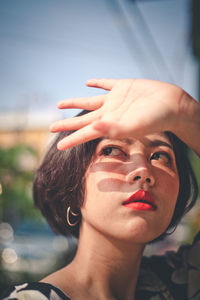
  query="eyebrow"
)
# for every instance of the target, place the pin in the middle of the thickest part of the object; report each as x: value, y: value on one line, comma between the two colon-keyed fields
x: 154, y: 143
x: 125, y: 141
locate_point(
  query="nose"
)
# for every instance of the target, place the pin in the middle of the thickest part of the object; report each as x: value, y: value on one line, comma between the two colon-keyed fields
x: 143, y: 176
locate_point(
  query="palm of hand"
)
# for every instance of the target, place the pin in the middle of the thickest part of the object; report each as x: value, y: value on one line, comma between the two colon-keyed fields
x: 131, y: 108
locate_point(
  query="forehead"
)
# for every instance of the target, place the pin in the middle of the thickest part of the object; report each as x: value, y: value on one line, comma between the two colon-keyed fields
x: 152, y: 140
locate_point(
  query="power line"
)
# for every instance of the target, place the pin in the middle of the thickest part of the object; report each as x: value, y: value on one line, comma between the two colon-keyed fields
x: 152, y: 44
x: 131, y: 40
x: 142, y: 53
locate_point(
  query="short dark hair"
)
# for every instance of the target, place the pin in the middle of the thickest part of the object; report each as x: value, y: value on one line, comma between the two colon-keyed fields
x: 60, y: 182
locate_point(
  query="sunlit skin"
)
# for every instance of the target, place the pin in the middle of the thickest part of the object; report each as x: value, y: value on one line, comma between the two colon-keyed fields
x: 132, y: 108
x: 120, y: 168
x: 135, y: 156
x: 112, y: 236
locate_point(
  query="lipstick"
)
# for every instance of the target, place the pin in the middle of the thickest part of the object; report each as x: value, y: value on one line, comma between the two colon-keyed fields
x: 141, y: 200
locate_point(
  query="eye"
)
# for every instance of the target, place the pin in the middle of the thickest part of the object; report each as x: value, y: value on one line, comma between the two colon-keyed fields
x: 162, y: 157
x: 112, y: 151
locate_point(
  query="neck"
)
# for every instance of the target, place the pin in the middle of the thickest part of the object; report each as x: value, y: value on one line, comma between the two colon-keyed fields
x: 107, y: 267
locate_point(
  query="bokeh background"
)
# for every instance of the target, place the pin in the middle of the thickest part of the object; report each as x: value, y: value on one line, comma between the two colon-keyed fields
x: 48, y: 49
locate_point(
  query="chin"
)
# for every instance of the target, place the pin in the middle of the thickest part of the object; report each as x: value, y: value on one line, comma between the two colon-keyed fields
x: 141, y: 231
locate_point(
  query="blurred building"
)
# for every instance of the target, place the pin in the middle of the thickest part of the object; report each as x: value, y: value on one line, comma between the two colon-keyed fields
x: 21, y: 128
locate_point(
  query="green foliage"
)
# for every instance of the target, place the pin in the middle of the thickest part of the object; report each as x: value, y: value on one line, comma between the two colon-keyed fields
x: 195, y: 162
x: 17, y: 166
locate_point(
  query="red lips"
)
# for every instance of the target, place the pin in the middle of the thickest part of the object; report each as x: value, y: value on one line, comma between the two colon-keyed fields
x: 141, y: 200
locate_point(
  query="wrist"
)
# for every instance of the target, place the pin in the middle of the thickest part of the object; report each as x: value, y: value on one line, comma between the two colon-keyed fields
x: 188, y: 122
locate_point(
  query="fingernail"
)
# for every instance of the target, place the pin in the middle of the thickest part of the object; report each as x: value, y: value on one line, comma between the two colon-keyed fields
x: 51, y: 128
x: 60, y: 146
x: 60, y: 103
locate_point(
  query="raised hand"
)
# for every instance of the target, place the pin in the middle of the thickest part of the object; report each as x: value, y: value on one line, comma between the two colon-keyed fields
x: 132, y: 108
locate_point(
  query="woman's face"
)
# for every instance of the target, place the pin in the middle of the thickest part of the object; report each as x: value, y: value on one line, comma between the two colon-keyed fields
x: 115, y: 203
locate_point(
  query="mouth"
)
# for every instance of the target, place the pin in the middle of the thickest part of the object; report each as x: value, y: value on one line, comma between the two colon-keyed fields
x: 141, y: 200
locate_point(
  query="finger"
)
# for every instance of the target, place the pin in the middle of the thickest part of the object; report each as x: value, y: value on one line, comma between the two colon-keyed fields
x: 105, y: 128
x: 80, y: 136
x: 73, y: 123
x: 103, y: 83
x: 88, y: 103
x: 117, y: 130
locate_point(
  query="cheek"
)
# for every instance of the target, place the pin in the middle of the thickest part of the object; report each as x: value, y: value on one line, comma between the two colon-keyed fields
x: 101, y: 199
x: 174, y: 185
x: 93, y: 195
x: 99, y: 188
x: 101, y: 181
x: 171, y: 187
x: 168, y: 180
x: 167, y: 186
x: 167, y: 197
x: 170, y: 190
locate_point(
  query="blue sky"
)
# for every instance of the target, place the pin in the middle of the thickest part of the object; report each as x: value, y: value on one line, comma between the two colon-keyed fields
x: 49, y: 48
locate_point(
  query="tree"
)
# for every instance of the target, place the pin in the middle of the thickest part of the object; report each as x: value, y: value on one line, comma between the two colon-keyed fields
x: 17, y: 166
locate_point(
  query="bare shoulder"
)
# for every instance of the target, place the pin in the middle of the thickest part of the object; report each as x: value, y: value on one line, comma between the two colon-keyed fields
x: 63, y: 279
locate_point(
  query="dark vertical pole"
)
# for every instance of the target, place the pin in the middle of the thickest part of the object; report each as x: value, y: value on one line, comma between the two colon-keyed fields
x: 196, y: 36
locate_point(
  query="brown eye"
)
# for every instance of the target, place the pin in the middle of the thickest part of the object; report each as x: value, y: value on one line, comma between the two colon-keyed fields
x: 111, y: 151
x: 162, y: 157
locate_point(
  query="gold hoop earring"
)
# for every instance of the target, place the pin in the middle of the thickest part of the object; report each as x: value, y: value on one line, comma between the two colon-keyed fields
x: 73, y: 214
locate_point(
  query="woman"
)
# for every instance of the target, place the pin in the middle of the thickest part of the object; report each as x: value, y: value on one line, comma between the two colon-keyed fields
x: 123, y: 181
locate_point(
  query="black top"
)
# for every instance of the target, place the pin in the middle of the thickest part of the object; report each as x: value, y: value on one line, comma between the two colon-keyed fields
x: 174, y: 276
